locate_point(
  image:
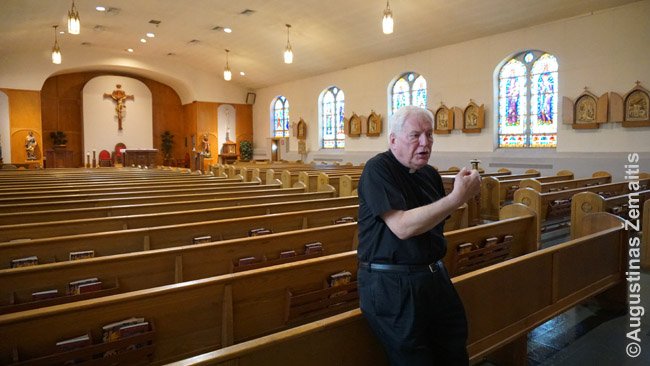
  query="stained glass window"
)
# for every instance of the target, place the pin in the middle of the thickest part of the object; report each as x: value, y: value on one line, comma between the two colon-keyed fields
x: 332, y: 124
x: 528, y: 101
x: 280, y: 117
x: 409, y: 89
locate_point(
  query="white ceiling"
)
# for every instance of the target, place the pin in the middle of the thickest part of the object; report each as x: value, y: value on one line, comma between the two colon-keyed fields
x: 326, y: 35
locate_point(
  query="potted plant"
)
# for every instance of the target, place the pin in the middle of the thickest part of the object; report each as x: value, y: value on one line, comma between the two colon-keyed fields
x: 59, y: 139
x: 166, y: 145
x: 246, y: 150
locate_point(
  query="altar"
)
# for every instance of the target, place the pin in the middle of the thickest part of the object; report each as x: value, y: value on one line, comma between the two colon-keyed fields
x: 140, y: 157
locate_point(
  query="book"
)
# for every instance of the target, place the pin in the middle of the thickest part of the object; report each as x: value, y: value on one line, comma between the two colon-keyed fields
x: 133, y: 329
x: 246, y: 260
x: 24, y: 262
x: 508, y: 238
x: 259, y: 231
x: 73, y: 343
x: 81, y: 255
x: 490, y: 242
x: 465, y: 248
x: 111, y: 332
x: 122, y: 329
x: 288, y: 254
x: 343, y: 220
x: 316, y: 247
x: 202, y: 239
x: 73, y: 287
x: 47, y: 294
x: 339, y: 279
x: 89, y: 287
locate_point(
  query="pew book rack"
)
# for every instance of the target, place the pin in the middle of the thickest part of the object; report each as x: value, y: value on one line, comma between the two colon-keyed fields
x: 17, y: 303
x: 137, y: 348
x: 305, y: 306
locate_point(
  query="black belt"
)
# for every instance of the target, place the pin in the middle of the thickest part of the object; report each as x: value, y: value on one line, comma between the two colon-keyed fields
x: 407, y: 268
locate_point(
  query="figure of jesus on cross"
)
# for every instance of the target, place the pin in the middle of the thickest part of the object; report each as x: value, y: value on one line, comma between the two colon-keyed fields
x: 119, y: 96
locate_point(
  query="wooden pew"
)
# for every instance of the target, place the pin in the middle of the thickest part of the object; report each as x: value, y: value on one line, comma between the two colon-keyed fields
x: 474, y: 204
x: 543, y: 187
x: 348, y: 185
x: 534, y: 288
x: 554, y: 208
x: 250, y: 191
x: 329, y: 181
x: 189, y: 317
x: 32, y: 189
x: 497, y: 191
x: 585, y: 203
x: 183, y: 316
x: 135, y: 271
x: 478, y: 246
x: 148, y: 192
x: 200, y: 202
x: 57, y: 249
x: 116, y: 223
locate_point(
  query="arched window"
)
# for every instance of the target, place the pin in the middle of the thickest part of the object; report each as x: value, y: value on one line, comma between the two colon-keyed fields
x: 409, y: 89
x: 528, y: 101
x: 280, y: 117
x: 331, y: 119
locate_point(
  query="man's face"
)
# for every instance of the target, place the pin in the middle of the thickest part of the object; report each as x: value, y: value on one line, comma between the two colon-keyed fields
x: 412, y: 145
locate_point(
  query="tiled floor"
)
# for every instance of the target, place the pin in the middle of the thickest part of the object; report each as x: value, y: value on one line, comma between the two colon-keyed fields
x: 588, y: 334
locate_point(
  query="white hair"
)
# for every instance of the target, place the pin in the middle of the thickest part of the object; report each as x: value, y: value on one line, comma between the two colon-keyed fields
x: 397, y: 120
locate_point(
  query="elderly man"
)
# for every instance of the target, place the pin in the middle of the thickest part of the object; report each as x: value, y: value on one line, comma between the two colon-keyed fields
x: 405, y: 292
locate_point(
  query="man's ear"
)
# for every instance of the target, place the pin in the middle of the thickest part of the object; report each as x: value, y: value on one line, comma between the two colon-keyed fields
x: 391, y: 138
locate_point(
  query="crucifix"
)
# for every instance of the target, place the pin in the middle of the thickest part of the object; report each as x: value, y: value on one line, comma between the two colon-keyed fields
x: 119, y: 96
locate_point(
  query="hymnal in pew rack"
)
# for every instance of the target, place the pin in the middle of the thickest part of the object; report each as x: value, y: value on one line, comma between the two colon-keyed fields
x: 74, y: 291
x: 135, y: 344
x: 286, y: 256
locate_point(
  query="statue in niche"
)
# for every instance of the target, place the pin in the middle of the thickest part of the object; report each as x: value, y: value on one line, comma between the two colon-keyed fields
x: 636, y: 107
x: 30, y: 146
x: 442, y: 120
x: 206, y: 145
x: 586, y: 110
x: 471, y: 117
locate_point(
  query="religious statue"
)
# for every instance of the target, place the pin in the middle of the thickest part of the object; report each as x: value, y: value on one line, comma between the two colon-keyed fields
x: 206, y: 145
x: 30, y: 146
x: 119, y: 96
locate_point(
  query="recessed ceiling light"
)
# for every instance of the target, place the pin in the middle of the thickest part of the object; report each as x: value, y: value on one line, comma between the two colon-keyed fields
x: 150, y: 35
x: 100, y: 8
x: 227, y: 30
x: 61, y: 32
x: 242, y: 73
x: 143, y: 40
x: 129, y: 50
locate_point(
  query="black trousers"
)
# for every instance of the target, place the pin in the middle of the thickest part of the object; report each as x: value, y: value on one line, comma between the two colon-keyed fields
x: 418, y: 317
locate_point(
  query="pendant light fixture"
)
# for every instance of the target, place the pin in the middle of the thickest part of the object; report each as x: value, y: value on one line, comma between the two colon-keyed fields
x: 74, y: 25
x: 227, y: 74
x: 387, y: 21
x: 288, y: 52
x: 56, y: 51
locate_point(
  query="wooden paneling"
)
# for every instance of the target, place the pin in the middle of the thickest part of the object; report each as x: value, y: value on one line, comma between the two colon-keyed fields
x: 62, y: 110
x: 24, y: 116
x: 244, y: 122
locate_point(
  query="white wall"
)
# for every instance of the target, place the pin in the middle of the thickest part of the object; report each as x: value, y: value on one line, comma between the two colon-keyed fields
x: 606, y: 51
x: 100, y: 127
x: 5, y: 131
